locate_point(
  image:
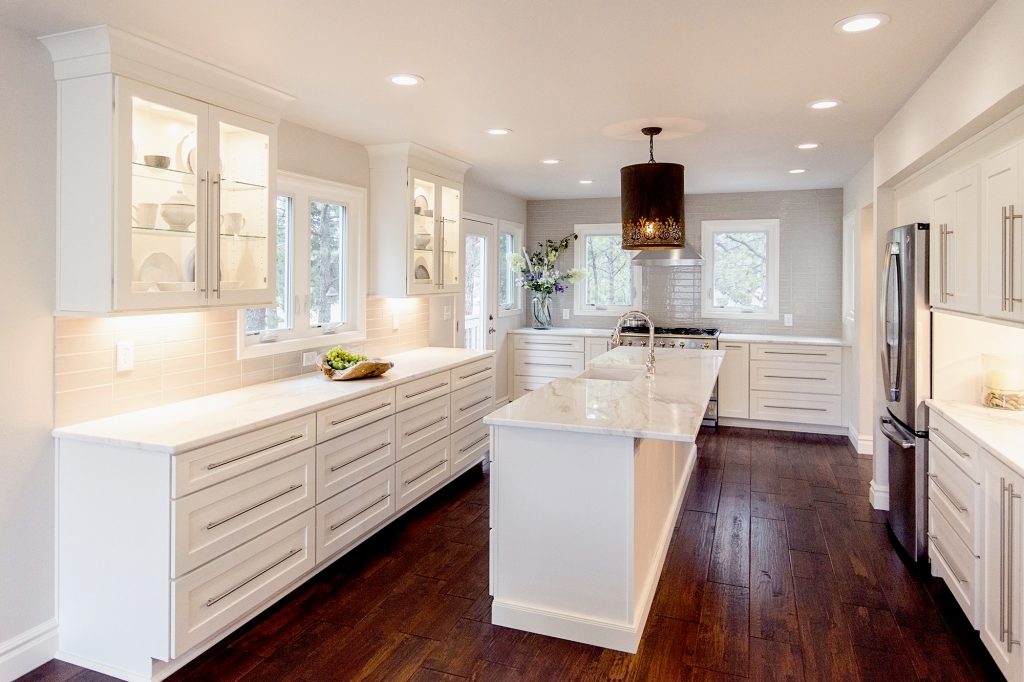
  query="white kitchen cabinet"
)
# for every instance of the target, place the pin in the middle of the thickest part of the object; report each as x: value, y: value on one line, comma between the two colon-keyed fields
x: 1002, y: 283
x: 734, y: 381
x: 954, y: 254
x: 539, y: 358
x: 595, y: 346
x: 165, y: 193
x: 415, y: 210
x: 796, y: 383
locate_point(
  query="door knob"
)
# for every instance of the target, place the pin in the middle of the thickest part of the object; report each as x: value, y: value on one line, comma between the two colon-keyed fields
x: 491, y: 330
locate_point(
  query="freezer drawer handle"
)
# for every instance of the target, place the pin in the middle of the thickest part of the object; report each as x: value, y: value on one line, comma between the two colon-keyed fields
x: 356, y: 459
x: 286, y: 557
x: 942, y: 437
x: 416, y: 478
x: 364, y: 509
x: 472, y: 445
x: 217, y: 465
x: 214, y: 524
x: 957, y: 504
x: 426, y: 390
x: 472, y: 405
x: 890, y: 432
x: 426, y: 426
x: 359, y: 414
x: 945, y: 557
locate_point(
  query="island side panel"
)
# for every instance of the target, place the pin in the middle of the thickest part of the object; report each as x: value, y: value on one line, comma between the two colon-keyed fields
x: 563, y: 533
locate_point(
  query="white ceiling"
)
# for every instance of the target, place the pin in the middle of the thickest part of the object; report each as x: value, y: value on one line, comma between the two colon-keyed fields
x: 557, y: 72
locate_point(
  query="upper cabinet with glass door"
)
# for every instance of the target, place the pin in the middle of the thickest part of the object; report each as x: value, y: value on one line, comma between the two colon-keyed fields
x: 164, y: 198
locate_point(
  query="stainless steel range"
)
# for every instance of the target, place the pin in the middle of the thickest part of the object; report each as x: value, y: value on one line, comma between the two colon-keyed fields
x: 678, y: 337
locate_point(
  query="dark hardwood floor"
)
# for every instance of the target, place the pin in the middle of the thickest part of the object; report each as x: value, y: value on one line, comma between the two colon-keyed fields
x: 778, y: 570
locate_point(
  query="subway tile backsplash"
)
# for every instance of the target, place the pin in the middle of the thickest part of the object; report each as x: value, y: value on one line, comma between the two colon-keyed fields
x: 186, y: 355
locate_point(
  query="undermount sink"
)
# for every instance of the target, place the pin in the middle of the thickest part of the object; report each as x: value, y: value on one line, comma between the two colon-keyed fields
x: 610, y: 373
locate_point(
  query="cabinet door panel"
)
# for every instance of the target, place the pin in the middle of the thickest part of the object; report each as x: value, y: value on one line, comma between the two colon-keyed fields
x: 734, y: 381
x: 938, y: 256
x: 424, y: 241
x: 962, y: 242
x: 1001, y: 180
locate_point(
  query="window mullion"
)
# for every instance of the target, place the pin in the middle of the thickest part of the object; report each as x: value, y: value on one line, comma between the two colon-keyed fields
x: 301, y: 264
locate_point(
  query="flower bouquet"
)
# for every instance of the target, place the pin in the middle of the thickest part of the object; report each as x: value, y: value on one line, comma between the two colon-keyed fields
x: 539, y: 273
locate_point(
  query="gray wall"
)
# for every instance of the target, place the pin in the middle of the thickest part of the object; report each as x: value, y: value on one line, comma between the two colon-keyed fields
x: 810, y: 261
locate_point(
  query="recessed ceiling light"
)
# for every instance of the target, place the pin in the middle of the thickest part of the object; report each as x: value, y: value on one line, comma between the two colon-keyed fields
x: 586, y: 182
x: 808, y: 145
x: 797, y: 171
x: 823, y: 104
x: 859, y: 23
x: 498, y: 131
x: 405, y: 79
x: 550, y: 162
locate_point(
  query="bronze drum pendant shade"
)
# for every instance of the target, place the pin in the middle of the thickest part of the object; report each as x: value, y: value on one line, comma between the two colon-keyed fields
x: 652, y: 204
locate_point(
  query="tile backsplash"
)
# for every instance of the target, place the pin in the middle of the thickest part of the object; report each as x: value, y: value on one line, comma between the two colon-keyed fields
x: 186, y: 355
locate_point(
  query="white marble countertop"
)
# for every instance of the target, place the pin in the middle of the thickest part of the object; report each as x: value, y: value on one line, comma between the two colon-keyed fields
x: 726, y: 337
x: 564, y: 331
x: 1001, y: 432
x: 186, y: 425
x: 668, y: 406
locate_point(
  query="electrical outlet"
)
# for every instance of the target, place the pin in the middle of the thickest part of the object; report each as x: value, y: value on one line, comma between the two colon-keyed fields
x: 309, y: 358
x: 125, y: 355
x: 565, y: 313
x: 787, y: 319
x: 447, y: 312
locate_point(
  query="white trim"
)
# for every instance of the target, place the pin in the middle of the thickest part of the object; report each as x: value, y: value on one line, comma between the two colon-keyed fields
x: 518, y: 231
x: 579, y: 305
x: 878, y: 495
x: 863, y: 445
x: 707, y: 230
x: 29, y: 650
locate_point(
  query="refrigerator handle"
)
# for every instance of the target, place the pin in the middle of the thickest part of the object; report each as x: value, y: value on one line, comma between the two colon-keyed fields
x: 892, y: 375
x: 891, y: 431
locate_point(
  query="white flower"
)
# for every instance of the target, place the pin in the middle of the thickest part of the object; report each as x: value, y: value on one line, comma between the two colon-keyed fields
x: 516, y: 261
x: 575, y: 275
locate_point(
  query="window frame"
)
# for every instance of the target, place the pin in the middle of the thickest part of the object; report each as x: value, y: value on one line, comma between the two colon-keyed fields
x: 304, y: 189
x: 709, y: 228
x: 518, y: 232
x: 580, y: 306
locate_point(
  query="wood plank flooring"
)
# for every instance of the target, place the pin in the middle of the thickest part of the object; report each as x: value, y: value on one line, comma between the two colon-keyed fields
x: 778, y: 570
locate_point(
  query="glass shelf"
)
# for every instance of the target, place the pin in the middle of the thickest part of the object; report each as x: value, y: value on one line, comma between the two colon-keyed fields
x: 240, y: 186
x: 163, y: 231
x: 241, y: 236
x: 141, y: 170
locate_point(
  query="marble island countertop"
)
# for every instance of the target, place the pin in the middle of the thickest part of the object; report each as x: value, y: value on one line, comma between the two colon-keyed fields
x: 189, y: 424
x: 724, y: 337
x: 615, y: 397
x: 1001, y: 432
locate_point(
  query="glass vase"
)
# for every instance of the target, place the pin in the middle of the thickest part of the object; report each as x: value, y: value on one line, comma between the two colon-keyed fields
x: 542, y: 311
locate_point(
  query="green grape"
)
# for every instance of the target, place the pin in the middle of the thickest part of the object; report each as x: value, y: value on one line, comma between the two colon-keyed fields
x: 339, y: 358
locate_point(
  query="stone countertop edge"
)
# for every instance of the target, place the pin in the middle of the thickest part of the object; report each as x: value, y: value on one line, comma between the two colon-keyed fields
x: 1001, y: 432
x: 182, y: 426
x: 723, y: 337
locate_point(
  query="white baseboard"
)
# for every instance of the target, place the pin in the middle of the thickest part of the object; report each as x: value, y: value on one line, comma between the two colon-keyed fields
x: 864, y: 445
x: 782, y: 426
x: 878, y: 495
x: 29, y: 650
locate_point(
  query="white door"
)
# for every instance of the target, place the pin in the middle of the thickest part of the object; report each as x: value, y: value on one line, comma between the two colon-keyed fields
x: 477, y: 305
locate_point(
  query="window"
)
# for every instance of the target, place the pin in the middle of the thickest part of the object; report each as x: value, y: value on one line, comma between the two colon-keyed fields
x: 612, y: 282
x: 510, y: 295
x: 741, y: 268
x: 320, y: 278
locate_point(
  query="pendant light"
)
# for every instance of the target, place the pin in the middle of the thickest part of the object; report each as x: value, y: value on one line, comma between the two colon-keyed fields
x: 652, y: 203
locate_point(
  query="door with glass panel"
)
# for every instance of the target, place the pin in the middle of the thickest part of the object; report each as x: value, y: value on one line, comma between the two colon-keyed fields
x: 477, y: 304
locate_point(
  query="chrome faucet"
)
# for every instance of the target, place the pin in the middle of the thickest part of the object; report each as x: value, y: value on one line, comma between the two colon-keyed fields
x: 617, y: 336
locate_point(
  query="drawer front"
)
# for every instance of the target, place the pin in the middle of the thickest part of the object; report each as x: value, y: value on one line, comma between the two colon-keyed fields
x: 472, y: 373
x: 203, y: 467
x: 350, y: 415
x: 795, y: 351
x: 347, y: 518
x: 523, y: 385
x: 955, y: 563
x: 419, y: 474
x: 959, y: 497
x: 215, y: 595
x: 962, y: 450
x: 344, y: 461
x: 422, y: 390
x: 471, y: 403
x: 548, y: 343
x: 548, y: 363
x: 212, y: 521
x: 469, y: 446
x: 422, y: 425
x: 796, y: 407
x: 796, y: 377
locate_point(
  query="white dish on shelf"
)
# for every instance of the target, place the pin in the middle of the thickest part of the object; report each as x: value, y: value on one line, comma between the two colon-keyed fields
x: 188, y: 272
x: 176, y: 286
x: 420, y: 269
x: 158, y: 267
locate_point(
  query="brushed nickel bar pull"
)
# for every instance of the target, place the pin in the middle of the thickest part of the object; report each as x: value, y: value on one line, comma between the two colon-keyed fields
x: 416, y: 478
x: 733, y: 347
x: 473, y: 374
x: 547, y: 343
x: 216, y: 229
x: 1002, y: 559
x: 950, y: 291
x: 942, y: 437
x: 1010, y: 641
x: 949, y: 496
x: 781, y: 376
x: 1013, y: 262
x: 364, y: 509
x: 286, y: 557
x: 942, y: 263
x: 359, y: 414
x: 214, y: 524
x: 945, y: 557
x: 472, y: 405
x: 472, y: 445
x: 217, y: 465
x: 548, y: 364
x: 356, y: 459
x: 425, y: 426
x: 793, y: 407
x: 426, y: 390
x: 792, y: 352
x: 1003, y: 298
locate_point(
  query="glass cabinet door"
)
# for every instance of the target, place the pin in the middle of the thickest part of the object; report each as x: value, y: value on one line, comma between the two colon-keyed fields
x: 451, y: 230
x: 424, y: 238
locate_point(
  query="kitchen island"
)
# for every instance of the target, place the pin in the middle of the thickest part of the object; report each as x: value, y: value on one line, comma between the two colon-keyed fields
x: 587, y: 477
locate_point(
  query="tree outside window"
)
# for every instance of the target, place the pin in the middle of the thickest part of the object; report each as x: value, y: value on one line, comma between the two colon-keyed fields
x: 741, y: 268
x: 612, y: 282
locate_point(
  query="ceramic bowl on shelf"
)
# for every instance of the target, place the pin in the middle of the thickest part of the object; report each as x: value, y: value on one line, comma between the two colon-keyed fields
x: 422, y: 241
x: 178, y: 211
x: 157, y: 161
x: 175, y: 286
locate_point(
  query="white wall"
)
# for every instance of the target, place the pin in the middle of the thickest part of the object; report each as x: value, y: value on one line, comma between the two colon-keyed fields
x: 28, y: 128
x: 310, y: 152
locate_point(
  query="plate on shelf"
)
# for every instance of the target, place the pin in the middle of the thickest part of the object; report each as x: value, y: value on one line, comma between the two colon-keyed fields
x: 420, y: 270
x: 158, y: 267
x: 185, y: 153
x: 188, y: 272
x: 420, y: 205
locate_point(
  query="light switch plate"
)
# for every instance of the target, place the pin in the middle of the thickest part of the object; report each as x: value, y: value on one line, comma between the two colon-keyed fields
x: 125, y: 355
x: 447, y: 312
x: 565, y: 313
x: 787, y: 319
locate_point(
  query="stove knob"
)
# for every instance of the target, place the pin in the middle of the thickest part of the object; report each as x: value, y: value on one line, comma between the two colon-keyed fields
x: 629, y: 343
x: 707, y: 345
x: 643, y: 344
x: 672, y: 345
x: 662, y: 344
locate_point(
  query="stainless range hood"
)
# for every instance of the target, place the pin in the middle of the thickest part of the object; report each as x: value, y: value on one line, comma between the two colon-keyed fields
x: 666, y: 257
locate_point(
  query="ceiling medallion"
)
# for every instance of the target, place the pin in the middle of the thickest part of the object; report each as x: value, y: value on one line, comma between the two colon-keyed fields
x: 652, y: 203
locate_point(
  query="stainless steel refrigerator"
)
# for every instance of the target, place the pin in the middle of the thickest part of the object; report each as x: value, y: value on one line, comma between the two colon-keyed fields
x: 906, y: 379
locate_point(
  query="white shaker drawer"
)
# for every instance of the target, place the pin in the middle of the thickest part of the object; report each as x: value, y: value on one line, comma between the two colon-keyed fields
x: 795, y: 351
x: 523, y: 385
x: 471, y: 403
x: 469, y: 446
x: 548, y: 363
x: 350, y: 415
x: 344, y: 461
x: 417, y: 475
x: 203, y: 467
x: 421, y: 390
x: 346, y: 518
x: 796, y: 407
x: 959, y: 497
x: 472, y: 373
x: 962, y: 450
x: 954, y: 562
x: 210, y: 522
x: 549, y: 343
x: 422, y: 425
x: 215, y: 595
x: 796, y: 377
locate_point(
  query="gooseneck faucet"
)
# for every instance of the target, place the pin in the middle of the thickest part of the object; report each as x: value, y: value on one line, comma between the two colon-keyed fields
x: 617, y: 336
